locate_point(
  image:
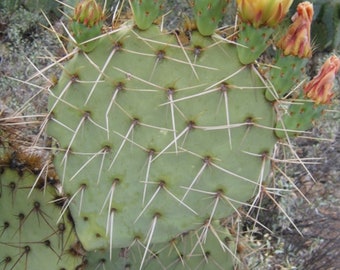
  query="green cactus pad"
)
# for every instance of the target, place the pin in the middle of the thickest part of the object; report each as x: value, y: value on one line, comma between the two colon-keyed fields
x: 84, y: 36
x: 297, y: 117
x: 252, y: 42
x: 145, y: 12
x: 285, y: 74
x: 31, y: 237
x: 155, y: 138
x: 208, y: 14
x: 202, y: 249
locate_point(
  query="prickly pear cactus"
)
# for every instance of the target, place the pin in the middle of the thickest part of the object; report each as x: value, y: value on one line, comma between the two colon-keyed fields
x: 156, y: 138
x: 159, y: 135
x: 31, y: 236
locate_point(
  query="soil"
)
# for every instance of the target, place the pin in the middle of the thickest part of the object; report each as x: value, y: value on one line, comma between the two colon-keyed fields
x: 318, y: 219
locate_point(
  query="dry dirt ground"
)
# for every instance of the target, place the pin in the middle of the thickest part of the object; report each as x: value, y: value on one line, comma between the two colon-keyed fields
x: 23, y: 40
x: 318, y: 219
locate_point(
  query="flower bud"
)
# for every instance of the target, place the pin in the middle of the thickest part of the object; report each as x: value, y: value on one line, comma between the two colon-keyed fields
x: 88, y: 12
x: 263, y: 12
x: 320, y: 87
x: 297, y: 39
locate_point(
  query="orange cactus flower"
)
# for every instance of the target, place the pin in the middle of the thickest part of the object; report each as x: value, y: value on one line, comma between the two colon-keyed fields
x: 320, y: 87
x: 263, y: 12
x: 297, y: 39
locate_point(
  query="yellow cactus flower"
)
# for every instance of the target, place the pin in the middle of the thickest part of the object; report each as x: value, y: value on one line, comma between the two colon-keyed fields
x: 263, y: 12
x: 320, y: 87
x: 297, y: 40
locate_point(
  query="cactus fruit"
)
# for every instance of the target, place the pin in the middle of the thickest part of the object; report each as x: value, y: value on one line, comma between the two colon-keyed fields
x: 29, y: 230
x: 156, y: 140
x: 87, y: 23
